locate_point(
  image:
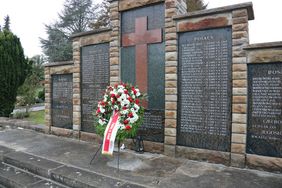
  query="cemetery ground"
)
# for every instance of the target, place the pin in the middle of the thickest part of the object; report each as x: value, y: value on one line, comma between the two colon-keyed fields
x: 33, y: 159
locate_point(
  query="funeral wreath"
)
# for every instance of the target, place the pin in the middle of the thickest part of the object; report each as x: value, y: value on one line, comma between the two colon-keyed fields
x: 126, y: 100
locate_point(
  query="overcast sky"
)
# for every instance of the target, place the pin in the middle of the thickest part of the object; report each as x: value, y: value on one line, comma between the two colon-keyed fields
x: 29, y: 16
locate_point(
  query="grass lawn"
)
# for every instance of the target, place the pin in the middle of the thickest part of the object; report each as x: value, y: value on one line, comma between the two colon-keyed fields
x: 37, y: 117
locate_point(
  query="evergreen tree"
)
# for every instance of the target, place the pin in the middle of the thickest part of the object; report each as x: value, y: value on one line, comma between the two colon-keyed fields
x: 194, y: 5
x: 14, y: 68
x: 75, y: 17
x: 7, y: 23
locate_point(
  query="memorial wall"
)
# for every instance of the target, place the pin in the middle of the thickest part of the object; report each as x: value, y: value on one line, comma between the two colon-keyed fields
x: 211, y: 95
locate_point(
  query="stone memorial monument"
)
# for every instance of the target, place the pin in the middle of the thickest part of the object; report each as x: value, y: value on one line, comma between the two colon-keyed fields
x: 211, y: 95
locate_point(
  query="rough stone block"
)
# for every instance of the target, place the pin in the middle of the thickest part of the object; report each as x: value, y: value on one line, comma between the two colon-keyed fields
x: 239, y: 75
x: 169, y: 150
x: 171, y: 84
x: 170, y: 123
x: 240, y: 27
x: 170, y: 140
x: 239, y: 99
x: 239, y: 128
x: 239, y: 91
x: 264, y: 163
x: 239, y: 118
x: 239, y: 108
x: 239, y: 60
x: 171, y: 77
x: 170, y: 91
x: 171, y: 114
x: 171, y: 48
x: 238, y: 138
x: 171, y: 105
x: 171, y: 97
x: 170, y: 132
x: 239, y: 13
x: 238, y: 148
x: 239, y: 20
x: 170, y: 70
x: 239, y: 83
x: 171, y: 56
x: 239, y: 67
x: 238, y: 160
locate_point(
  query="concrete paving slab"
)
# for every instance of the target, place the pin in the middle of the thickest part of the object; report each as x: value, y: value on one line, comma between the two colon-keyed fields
x: 46, y: 184
x: 74, y: 177
x: 12, y: 177
x: 147, y: 169
x: 34, y: 164
x: 4, y: 150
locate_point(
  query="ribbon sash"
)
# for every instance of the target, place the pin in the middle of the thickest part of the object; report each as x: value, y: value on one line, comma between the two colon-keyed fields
x: 110, y: 134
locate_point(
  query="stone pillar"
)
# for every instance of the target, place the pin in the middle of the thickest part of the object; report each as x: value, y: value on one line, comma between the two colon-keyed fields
x: 47, y: 86
x: 240, y: 39
x: 76, y: 87
x: 114, y: 43
x: 172, y: 8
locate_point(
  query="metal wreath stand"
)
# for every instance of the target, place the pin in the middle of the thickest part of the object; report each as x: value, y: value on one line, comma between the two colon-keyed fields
x: 139, y: 147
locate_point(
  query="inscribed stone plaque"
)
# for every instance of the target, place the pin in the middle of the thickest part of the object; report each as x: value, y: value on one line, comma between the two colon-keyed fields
x: 265, y: 109
x: 204, y: 117
x: 150, y: 52
x: 94, y: 81
x: 61, y: 105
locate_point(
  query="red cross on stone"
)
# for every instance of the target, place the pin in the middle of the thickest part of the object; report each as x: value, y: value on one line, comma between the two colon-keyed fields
x: 141, y: 38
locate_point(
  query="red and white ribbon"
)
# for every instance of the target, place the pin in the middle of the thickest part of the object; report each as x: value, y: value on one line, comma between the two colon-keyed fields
x: 110, y: 134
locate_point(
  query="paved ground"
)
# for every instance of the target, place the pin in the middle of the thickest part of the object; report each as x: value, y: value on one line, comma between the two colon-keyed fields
x: 149, y: 170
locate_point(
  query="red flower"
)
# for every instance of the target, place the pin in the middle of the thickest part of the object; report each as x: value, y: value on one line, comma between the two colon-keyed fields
x: 130, y: 115
x: 127, y: 127
x: 112, y: 95
x: 125, y: 121
x: 124, y: 108
x: 116, y: 85
x: 98, y: 111
x: 137, y: 101
x: 130, y: 99
x: 126, y: 92
x: 117, y: 96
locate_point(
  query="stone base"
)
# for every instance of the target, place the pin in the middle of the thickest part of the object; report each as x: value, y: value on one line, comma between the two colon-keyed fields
x: 203, y: 155
x: 238, y: 160
x: 264, y: 163
x: 64, y: 132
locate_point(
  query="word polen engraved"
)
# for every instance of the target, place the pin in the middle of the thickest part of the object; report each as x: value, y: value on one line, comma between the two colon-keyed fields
x: 142, y: 63
x: 205, y: 89
x: 61, y: 106
x: 95, y: 79
x: 265, y: 109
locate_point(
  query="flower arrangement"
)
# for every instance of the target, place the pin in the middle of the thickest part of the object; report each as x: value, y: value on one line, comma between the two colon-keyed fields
x: 124, y: 99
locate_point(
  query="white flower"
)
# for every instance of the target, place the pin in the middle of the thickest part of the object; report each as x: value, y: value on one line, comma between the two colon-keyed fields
x: 122, y: 97
x: 125, y: 103
x: 102, y: 110
x: 136, y: 107
x: 105, y: 98
x: 120, y: 90
x: 102, y: 122
x: 120, y: 87
x: 137, y: 92
x: 124, y: 112
x: 122, y: 127
x: 116, y: 107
